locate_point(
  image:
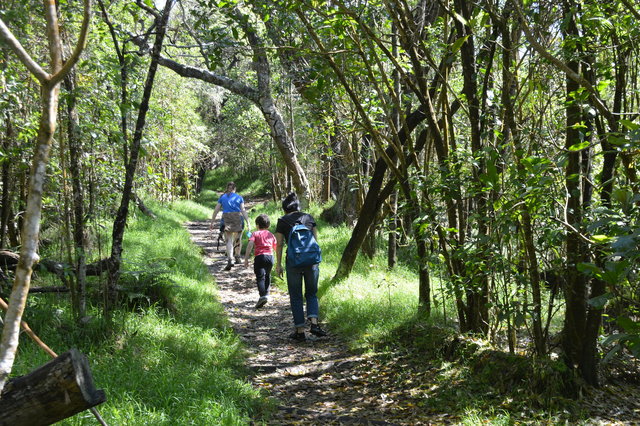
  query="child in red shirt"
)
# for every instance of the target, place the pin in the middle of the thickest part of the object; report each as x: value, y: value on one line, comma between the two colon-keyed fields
x: 264, y: 243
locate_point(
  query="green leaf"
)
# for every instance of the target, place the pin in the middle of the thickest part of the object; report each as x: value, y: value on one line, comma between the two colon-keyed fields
x: 628, y: 324
x: 601, y: 238
x: 598, y: 302
x: 614, y: 338
x: 458, y: 44
x: 603, y: 85
x: 579, y: 146
x: 630, y: 124
x: 589, y: 269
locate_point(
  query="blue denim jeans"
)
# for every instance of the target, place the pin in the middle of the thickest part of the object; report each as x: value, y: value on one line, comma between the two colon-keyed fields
x: 295, y: 278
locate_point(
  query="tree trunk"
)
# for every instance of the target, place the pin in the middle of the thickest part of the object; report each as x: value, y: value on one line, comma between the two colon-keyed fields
x: 75, y: 148
x: 30, y: 231
x: 373, y: 201
x: 120, y: 221
x: 53, y: 392
x: 511, y: 132
x: 31, y: 228
x: 576, y: 285
x: 5, y: 209
x: 392, y: 252
x: 478, y: 287
x: 424, y: 293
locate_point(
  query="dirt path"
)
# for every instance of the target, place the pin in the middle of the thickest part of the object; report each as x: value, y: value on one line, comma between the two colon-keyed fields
x: 315, y: 382
x: 319, y: 382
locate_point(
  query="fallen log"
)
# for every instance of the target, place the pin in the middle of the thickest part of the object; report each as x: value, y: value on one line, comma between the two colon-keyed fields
x: 50, y: 289
x: 52, y: 392
x: 8, y: 260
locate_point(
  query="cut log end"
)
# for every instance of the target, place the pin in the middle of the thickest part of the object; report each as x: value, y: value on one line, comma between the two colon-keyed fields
x: 52, y: 392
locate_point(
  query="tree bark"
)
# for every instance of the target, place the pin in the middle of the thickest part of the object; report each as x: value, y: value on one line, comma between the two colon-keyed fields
x: 511, y: 132
x: 53, y: 392
x: 261, y: 96
x: 372, y: 202
x: 576, y: 286
x: 49, y: 91
x: 478, y: 291
x: 120, y: 221
x: 269, y: 111
x: 75, y: 148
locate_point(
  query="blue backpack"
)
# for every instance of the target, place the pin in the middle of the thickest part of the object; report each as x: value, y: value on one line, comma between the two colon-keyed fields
x: 302, y: 247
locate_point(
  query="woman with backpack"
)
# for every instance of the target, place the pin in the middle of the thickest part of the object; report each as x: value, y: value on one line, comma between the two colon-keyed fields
x: 233, y: 212
x: 300, y: 240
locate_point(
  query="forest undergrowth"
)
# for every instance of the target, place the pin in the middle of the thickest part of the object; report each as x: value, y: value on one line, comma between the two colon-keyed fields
x: 168, y: 355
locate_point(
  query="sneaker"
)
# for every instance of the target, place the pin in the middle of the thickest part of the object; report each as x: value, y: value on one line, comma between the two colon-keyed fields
x: 229, y: 266
x: 262, y: 301
x: 317, y: 330
x: 298, y: 337
x: 238, y: 260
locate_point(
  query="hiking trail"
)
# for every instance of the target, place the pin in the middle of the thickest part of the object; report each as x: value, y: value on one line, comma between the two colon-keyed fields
x: 315, y: 382
x: 322, y: 382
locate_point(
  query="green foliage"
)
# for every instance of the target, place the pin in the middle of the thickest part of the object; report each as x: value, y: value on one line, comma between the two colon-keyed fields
x: 248, y: 184
x: 156, y: 366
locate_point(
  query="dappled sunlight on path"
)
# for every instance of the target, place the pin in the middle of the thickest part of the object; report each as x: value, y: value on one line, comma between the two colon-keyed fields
x: 315, y: 382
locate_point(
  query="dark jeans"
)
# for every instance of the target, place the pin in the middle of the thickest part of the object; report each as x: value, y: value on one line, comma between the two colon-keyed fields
x: 295, y: 277
x: 262, y: 265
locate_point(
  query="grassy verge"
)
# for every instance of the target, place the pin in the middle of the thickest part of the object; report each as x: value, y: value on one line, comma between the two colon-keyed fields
x: 178, y: 364
x: 376, y: 311
x: 173, y: 360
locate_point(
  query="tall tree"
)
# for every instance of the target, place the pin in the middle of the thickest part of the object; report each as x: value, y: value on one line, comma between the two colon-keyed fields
x: 120, y: 221
x: 49, y: 83
x: 261, y: 95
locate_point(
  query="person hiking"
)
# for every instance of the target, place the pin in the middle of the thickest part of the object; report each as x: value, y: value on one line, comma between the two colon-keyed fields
x: 264, y: 243
x: 297, y: 274
x: 232, y: 206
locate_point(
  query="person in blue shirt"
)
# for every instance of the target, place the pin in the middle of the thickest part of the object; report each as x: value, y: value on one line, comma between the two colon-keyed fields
x: 232, y: 206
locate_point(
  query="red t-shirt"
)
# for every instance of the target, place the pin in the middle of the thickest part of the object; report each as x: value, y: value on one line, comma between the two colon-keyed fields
x: 264, y: 241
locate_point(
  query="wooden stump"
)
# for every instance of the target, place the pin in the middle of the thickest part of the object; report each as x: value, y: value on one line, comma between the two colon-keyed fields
x: 52, y: 392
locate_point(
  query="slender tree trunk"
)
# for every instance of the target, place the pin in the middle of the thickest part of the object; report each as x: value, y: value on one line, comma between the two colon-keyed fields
x: 6, y: 184
x: 576, y: 289
x: 372, y: 203
x: 31, y: 229
x: 511, y: 132
x: 478, y: 291
x: 424, y: 279
x: 392, y: 253
x: 75, y: 148
x: 120, y: 220
x: 49, y: 102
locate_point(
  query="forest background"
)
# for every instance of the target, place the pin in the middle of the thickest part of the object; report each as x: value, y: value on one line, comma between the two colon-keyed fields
x: 491, y: 147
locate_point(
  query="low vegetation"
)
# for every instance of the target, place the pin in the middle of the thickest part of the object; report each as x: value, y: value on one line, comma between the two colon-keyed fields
x: 168, y: 356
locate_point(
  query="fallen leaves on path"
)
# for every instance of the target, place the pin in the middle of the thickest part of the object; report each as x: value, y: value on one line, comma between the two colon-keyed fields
x: 321, y: 382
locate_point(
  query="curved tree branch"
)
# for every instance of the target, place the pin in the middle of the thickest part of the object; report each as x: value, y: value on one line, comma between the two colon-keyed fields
x: 597, y: 101
x: 7, y: 36
x: 82, y: 41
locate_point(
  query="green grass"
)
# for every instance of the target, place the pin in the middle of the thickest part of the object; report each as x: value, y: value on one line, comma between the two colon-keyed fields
x: 373, y: 303
x: 181, y: 365
x: 177, y: 361
x: 215, y: 182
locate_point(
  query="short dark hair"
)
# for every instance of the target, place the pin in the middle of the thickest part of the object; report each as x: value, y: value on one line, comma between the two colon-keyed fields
x: 263, y: 221
x: 231, y: 186
x: 291, y: 203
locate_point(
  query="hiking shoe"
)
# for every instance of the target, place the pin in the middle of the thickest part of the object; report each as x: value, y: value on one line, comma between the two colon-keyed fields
x: 298, y: 337
x: 228, y: 267
x: 317, y: 330
x: 238, y: 260
x: 262, y: 301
